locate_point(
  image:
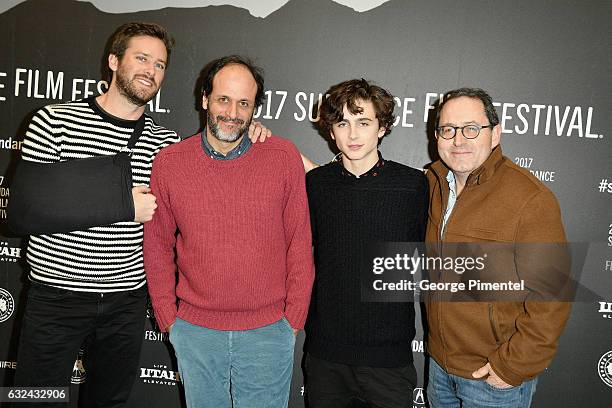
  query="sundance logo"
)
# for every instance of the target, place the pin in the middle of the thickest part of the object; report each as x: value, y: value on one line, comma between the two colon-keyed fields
x: 160, y: 375
x: 11, y: 144
x: 153, y: 335
x: 418, y: 346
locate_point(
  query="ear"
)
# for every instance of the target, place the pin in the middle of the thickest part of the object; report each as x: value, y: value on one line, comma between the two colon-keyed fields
x: 495, y: 135
x: 113, y: 62
x: 204, y: 102
x: 381, y: 132
x: 331, y: 134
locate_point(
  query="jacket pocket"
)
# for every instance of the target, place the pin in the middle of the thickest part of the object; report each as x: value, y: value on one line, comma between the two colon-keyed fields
x: 494, y: 325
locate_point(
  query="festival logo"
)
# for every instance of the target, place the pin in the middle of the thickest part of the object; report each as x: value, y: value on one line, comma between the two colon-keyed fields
x: 604, y: 368
x: 7, y: 305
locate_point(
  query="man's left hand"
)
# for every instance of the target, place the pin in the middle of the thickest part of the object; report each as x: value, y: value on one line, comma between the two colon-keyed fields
x: 295, y: 332
x: 257, y: 131
x: 492, y: 379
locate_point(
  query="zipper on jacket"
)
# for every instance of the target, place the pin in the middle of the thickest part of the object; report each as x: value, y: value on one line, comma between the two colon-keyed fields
x: 440, y: 237
x: 436, y: 296
x: 492, y: 321
x: 444, y: 205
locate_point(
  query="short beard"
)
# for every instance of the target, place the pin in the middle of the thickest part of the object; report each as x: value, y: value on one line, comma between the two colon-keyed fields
x: 226, y: 137
x: 127, y: 89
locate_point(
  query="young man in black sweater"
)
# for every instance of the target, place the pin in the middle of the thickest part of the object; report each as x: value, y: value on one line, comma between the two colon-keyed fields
x: 354, y: 349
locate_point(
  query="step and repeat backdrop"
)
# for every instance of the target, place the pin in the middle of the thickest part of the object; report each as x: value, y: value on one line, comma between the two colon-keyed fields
x: 547, y: 65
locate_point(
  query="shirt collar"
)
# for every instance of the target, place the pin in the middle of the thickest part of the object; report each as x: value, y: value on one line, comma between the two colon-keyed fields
x: 450, y: 178
x: 479, y: 176
x: 373, y: 172
x: 237, y: 151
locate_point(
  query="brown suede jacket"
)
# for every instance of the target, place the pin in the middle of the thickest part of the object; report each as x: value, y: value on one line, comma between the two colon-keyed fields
x: 503, y: 203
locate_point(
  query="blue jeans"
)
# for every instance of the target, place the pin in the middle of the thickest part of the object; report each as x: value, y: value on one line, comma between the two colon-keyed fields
x: 450, y: 391
x: 239, y: 369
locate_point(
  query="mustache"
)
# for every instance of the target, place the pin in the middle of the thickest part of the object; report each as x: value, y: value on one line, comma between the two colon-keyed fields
x: 230, y: 120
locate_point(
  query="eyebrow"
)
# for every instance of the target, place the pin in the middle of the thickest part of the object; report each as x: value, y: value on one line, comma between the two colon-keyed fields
x: 239, y: 100
x: 469, y: 122
x: 149, y: 55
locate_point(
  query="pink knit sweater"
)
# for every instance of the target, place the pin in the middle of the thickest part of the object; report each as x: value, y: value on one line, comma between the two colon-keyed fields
x: 237, y: 232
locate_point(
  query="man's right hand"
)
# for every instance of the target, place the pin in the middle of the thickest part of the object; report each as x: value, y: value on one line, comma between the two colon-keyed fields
x: 144, y: 204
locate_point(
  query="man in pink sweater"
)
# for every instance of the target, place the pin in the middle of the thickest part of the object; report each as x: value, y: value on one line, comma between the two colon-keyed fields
x: 233, y: 223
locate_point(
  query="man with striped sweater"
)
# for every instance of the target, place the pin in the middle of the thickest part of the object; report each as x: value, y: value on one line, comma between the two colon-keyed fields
x: 91, y: 283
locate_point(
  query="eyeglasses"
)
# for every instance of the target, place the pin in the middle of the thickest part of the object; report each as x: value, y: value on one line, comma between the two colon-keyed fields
x: 468, y: 131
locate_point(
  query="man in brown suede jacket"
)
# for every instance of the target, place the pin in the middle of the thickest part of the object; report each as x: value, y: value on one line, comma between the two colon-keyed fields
x: 488, y: 354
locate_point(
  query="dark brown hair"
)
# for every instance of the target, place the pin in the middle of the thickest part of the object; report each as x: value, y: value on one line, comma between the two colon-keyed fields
x: 121, y: 37
x: 475, y: 93
x: 212, y: 68
x: 349, y: 93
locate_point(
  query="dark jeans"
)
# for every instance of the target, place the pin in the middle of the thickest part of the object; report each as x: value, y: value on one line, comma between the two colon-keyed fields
x: 335, y: 385
x: 57, y: 321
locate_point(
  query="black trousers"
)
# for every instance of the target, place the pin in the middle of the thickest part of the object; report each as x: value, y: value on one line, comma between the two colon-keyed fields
x: 336, y: 385
x: 55, y: 325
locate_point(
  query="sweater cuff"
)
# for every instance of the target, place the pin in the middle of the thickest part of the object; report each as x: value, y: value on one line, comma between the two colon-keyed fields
x: 296, y: 317
x: 165, y: 317
x: 504, y: 372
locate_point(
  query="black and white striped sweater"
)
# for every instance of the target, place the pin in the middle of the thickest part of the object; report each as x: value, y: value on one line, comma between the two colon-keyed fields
x: 99, y: 259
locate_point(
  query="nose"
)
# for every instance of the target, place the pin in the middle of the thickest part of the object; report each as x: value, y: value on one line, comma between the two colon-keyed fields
x: 150, y: 68
x: 459, y: 139
x: 232, y: 110
x: 353, y: 133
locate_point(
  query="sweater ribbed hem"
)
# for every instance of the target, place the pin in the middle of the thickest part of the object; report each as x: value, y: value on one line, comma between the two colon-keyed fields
x: 234, y: 320
x: 398, y: 355
x: 296, y: 317
x: 164, y: 316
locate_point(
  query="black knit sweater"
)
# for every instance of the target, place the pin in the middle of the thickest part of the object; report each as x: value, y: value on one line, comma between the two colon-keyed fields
x: 346, y: 214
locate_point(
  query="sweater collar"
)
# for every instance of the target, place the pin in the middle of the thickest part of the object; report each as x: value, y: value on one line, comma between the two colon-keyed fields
x: 237, y: 151
x: 479, y: 176
x: 373, y: 172
x: 125, y: 123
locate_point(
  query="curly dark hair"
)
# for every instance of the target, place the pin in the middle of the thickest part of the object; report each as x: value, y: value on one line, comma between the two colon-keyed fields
x: 125, y: 32
x: 475, y: 93
x: 348, y: 93
x: 212, y: 68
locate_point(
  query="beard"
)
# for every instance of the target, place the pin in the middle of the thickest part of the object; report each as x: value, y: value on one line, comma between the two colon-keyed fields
x: 219, y: 134
x: 127, y: 88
